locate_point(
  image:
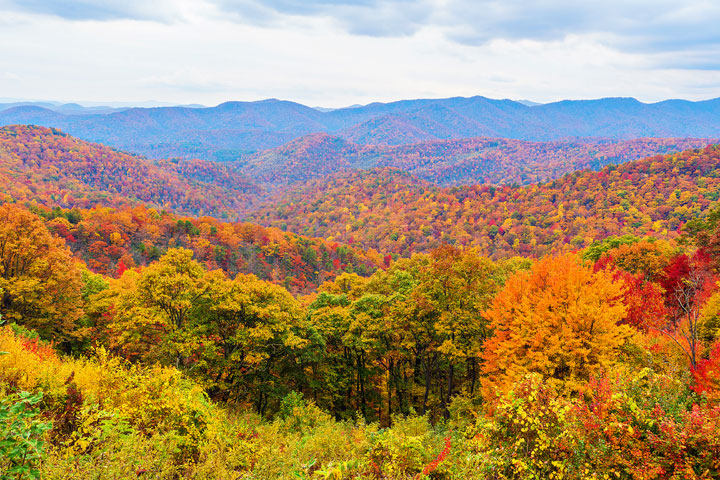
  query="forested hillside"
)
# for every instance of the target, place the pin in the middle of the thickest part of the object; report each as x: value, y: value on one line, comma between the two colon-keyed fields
x: 42, y: 165
x: 390, y: 211
x: 445, y: 365
x: 567, y: 329
x: 113, y: 240
x: 49, y: 167
x: 453, y: 162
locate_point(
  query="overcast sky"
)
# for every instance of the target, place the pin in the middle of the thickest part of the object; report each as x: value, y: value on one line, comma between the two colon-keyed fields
x: 341, y: 52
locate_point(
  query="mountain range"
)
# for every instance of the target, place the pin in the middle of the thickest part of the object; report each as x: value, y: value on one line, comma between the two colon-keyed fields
x: 234, y: 130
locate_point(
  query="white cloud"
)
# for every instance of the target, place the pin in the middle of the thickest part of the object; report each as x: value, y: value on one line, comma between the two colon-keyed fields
x: 334, y: 53
x: 103, y: 10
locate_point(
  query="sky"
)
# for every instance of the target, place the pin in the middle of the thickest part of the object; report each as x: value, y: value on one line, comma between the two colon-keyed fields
x: 336, y: 53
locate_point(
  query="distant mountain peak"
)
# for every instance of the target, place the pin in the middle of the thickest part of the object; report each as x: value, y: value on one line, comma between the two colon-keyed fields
x: 233, y: 129
x: 528, y: 103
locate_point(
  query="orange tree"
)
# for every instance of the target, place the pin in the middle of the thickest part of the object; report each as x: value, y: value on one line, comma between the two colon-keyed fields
x: 559, y: 320
x: 40, y: 283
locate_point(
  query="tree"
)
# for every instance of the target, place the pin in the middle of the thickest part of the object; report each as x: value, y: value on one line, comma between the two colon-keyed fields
x: 560, y: 320
x: 340, y: 368
x: 251, y: 333
x: 173, y: 286
x: 688, y: 282
x: 39, y: 280
x: 153, y: 313
x: 648, y: 258
x: 459, y: 285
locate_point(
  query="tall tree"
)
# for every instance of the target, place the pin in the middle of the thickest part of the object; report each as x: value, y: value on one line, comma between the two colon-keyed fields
x: 459, y: 286
x: 40, y: 282
x: 561, y: 320
x: 688, y: 283
x: 251, y: 337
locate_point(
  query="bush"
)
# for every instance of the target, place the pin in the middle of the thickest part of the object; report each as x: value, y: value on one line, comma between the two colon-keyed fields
x: 21, y: 436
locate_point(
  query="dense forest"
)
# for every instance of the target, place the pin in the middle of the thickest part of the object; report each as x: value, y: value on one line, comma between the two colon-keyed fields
x: 393, y: 212
x: 46, y: 166
x: 453, y: 162
x: 112, y: 240
x: 561, y: 330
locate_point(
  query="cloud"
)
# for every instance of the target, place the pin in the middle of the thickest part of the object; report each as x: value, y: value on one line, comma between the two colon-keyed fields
x: 633, y: 26
x: 706, y: 59
x: 376, y: 18
x: 641, y: 26
x: 629, y: 25
x: 10, y: 76
x: 337, y: 52
x: 186, y: 80
x: 101, y: 10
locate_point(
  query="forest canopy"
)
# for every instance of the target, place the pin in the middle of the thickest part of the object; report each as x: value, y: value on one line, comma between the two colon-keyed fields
x: 578, y: 338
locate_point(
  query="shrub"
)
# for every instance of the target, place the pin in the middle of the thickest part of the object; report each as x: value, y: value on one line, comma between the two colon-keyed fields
x: 21, y: 436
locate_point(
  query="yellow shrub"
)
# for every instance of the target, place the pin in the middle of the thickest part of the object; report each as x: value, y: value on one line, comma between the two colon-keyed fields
x: 152, y: 399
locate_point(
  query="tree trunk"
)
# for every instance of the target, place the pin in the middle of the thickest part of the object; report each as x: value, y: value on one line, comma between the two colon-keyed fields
x: 389, y: 392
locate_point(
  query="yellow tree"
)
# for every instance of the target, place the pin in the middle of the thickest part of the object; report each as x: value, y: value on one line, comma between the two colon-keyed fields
x: 646, y: 257
x: 559, y: 320
x: 154, y: 312
x: 252, y: 335
x: 39, y: 280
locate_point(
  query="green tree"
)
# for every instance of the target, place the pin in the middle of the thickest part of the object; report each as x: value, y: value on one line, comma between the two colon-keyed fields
x: 252, y: 334
x: 156, y: 311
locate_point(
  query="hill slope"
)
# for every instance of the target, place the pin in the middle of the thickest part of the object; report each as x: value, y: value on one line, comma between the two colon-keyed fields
x: 392, y: 211
x: 109, y: 240
x: 49, y: 167
x: 453, y: 162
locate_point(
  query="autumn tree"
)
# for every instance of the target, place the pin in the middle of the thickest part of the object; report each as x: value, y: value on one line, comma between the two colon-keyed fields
x: 645, y: 301
x: 407, y: 338
x: 458, y: 285
x: 154, y: 312
x: 647, y: 258
x: 252, y: 336
x: 560, y: 320
x: 39, y: 280
x: 688, y: 284
x: 342, y: 367
x: 640, y: 264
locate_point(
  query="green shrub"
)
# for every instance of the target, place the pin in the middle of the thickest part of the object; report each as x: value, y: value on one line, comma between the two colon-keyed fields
x: 21, y: 436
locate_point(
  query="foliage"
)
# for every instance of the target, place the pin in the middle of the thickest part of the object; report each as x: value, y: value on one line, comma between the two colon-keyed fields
x: 39, y: 281
x: 444, y: 364
x: 528, y: 435
x: 464, y: 161
x: 707, y: 375
x: 21, y: 436
x: 391, y: 211
x: 637, y: 425
x: 405, y: 340
x: 599, y: 247
x: 237, y: 337
x: 108, y: 238
x: 106, y: 404
x: 59, y: 170
x: 560, y: 320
